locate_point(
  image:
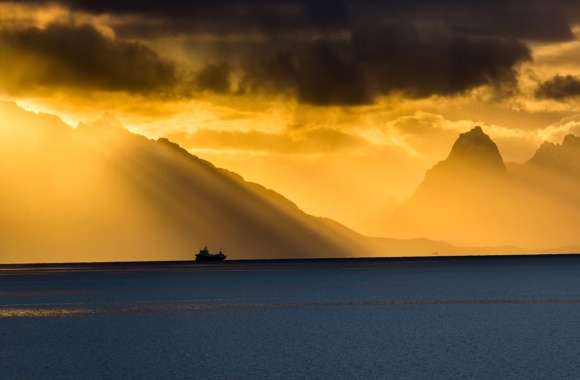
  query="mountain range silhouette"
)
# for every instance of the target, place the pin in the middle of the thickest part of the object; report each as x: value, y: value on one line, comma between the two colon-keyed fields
x: 101, y: 193
x: 473, y: 197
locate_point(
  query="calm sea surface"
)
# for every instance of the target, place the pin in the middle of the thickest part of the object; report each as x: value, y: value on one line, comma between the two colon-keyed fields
x: 494, y: 318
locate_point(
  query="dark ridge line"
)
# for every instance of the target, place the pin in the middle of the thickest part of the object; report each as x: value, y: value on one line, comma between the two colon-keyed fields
x: 191, y: 263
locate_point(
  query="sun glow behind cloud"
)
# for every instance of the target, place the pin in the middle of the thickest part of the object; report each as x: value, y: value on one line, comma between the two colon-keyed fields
x: 363, y: 111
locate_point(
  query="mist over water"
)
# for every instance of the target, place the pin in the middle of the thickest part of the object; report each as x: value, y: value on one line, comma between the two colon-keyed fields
x: 448, y: 318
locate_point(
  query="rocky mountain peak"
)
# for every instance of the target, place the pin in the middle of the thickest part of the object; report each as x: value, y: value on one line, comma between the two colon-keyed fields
x: 571, y: 141
x: 563, y: 156
x: 476, y: 148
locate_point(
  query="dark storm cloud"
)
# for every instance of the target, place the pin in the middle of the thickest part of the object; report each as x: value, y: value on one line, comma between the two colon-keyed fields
x: 214, y: 77
x: 81, y: 57
x: 348, y: 52
x: 385, y: 60
x: 316, y: 73
x: 560, y: 87
x: 223, y: 16
x: 531, y: 19
x: 537, y: 20
x: 422, y: 62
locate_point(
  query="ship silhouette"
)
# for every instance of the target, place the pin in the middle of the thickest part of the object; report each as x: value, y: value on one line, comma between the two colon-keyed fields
x: 204, y: 256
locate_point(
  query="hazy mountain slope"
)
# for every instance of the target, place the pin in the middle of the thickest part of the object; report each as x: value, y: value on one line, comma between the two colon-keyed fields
x: 380, y: 246
x: 472, y: 199
x: 555, y: 169
x: 98, y: 193
x: 563, y: 159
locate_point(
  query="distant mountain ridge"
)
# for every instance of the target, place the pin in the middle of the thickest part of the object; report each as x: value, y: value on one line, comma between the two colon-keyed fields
x: 100, y: 193
x: 472, y: 198
x: 564, y: 156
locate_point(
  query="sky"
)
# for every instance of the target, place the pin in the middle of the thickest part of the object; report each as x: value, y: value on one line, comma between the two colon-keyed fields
x: 339, y: 105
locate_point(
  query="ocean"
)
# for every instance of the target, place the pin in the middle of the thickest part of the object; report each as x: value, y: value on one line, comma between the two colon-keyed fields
x: 441, y: 318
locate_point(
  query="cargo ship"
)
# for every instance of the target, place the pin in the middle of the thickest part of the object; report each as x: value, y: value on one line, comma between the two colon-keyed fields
x: 205, y: 256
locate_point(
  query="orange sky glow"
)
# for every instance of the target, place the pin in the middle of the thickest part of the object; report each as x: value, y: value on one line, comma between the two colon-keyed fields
x: 344, y: 129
